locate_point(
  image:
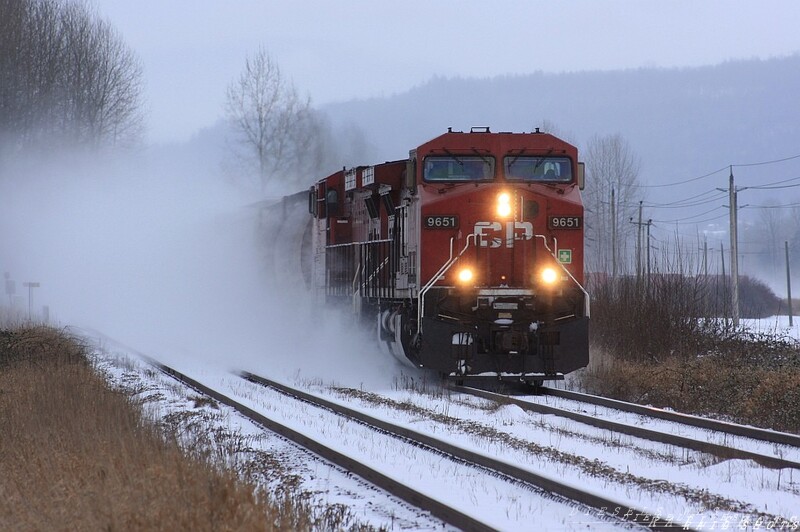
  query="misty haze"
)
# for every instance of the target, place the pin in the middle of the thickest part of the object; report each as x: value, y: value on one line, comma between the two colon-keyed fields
x: 165, y: 187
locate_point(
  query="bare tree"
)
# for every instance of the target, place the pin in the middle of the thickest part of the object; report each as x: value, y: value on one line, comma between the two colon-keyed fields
x: 766, y: 238
x: 271, y: 121
x: 278, y: 132
x: 611, y: 198
x: 67, y: 76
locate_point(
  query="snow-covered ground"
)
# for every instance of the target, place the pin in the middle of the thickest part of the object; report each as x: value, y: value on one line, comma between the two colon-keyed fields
x: 686, y: 486
x: 776, y: 325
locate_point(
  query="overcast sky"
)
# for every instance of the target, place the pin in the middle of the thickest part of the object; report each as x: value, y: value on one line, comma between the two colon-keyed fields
x: 339, y: 50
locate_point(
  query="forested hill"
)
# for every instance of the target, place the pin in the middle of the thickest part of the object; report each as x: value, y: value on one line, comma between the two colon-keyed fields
x: 681, y: 122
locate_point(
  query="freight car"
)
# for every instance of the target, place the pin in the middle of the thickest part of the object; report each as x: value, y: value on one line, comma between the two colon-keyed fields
x: 467, y: 257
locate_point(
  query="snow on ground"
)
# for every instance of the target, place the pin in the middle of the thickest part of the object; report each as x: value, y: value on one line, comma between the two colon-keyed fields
x: 324, y: 483
x: 546, y: 445
x: 775, y: 326
x: 501, y: 504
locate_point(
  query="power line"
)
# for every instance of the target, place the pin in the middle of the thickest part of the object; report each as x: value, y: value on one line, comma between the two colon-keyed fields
x: 768, y: 162
x: 768, y: 187
x: 678, y: 204
x: 775, y: 206
x: 681, y: 222
x: 682, y: 182
x: 777, y: 182
x: 727, y: 167
x: 689, y: 217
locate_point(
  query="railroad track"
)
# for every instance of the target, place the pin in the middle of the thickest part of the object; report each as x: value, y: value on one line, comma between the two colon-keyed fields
x: 524, y: 481
x: 755, y: 433
x: 550, y: 485
x: 416, y: 498
x: 715, y: 449
x: 525, y: 484
x: 613, y: 510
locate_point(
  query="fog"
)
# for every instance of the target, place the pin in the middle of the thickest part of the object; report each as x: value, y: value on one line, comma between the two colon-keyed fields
x: 162, y: 255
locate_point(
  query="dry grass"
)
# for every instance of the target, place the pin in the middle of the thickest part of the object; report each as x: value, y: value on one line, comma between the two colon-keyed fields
x: 77, y: 455
x: 664, y: 344
x: 720, y: 385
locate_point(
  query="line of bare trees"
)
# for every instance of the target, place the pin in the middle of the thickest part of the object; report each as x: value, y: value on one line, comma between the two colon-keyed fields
x: 66, y: 76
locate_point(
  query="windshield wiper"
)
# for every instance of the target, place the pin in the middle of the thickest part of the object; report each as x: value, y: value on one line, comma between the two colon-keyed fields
x: 479, y: 154
x: 520, y: 154
x: 540, y: 161
x: 451, y: 154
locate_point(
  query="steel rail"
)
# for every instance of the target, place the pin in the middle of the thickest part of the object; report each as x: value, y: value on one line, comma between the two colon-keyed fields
x: 418, y: 499
x: 755, y: 433
x: 600, y: 503
x: 720, y: 451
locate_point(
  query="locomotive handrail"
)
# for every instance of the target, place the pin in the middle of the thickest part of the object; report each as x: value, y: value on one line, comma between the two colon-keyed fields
x: 381, y: 265
x: 423, y: 291
x: 356, y: 291
x: 375, y: 272
x: 586, y: 304
x: 436, y: 276
x: 446, y: 266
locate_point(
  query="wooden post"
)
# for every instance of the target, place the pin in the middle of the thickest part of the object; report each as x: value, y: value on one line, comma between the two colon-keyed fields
x: 788, y: 282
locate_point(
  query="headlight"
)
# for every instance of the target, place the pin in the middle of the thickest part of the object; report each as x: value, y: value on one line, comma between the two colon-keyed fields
x: 549, y: 275
x: 465, y: 275
x: 504, y: 204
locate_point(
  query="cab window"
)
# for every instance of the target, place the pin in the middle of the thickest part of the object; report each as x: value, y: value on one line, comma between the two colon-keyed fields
x: 458, y: 168
x: 545, y: 169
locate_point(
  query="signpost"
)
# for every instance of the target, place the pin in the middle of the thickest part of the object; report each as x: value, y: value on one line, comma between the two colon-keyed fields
x: 30, y: 287
x: 11, y: 288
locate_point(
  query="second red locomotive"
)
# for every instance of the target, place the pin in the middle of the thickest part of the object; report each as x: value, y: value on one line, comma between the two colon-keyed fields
x: 467, y: 256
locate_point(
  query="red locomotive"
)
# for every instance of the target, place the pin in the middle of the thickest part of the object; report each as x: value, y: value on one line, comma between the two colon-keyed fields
x: 468, y: 255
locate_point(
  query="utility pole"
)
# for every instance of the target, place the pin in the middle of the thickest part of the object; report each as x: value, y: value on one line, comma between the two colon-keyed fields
x: 639, y: 243
x: 613, y: 233
x: 704, y: 285
x: 640, y: 268
x: 788, y: 282
x: 734, y: 252
x: 722, y: 255
x: 732, y: 192
x: 649, y: 223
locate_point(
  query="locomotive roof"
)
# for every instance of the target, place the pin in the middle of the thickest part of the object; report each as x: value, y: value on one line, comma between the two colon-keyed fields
x: 482, y: 138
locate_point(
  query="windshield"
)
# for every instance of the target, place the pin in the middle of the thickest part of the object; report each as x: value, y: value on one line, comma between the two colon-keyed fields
x: 527, y: 168
x: 458, y: 168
